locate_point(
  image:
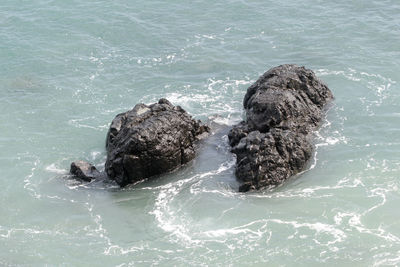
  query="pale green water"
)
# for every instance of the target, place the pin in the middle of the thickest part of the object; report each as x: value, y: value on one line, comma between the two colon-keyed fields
x: 68, y: 67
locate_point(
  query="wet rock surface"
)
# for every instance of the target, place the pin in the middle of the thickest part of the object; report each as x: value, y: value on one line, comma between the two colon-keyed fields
x: 150, y: 140
x: 282, y: 108
x: 84, y: 170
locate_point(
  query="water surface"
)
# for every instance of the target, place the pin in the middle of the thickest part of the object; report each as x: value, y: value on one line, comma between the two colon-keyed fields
x: 68, y: 67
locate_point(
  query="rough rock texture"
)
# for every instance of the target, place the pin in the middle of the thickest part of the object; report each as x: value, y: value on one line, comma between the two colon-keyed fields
x: 150, y: 140
x: 282, y: 108
x: 84, y: 170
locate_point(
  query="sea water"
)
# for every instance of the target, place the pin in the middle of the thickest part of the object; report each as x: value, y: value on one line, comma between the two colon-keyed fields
x: 68, y: 67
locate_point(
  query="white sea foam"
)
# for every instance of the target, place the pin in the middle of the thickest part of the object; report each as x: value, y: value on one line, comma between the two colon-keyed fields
x: 28, y: 184
x: 80, y: 123
x: 166, y: 216
x: 55, y: 169
x: 376, y: 83
x: 212, y: 99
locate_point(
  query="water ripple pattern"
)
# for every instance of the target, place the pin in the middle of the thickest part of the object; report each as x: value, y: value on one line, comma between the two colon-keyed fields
x: 68, y: 67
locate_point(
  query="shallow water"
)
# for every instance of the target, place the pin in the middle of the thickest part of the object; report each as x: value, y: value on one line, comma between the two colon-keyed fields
x: 68, y: 67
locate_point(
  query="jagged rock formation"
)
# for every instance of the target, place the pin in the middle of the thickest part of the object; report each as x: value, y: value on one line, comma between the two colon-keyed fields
x: 150, y: 140
x: 282, y: 108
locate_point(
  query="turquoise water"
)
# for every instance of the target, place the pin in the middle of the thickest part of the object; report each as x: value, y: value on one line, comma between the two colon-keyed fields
x: 68, y: 67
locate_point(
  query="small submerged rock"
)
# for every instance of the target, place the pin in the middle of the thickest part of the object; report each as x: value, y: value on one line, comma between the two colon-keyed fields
x: 282, y: 108
x: 84, y: 170
x: 151, y: 140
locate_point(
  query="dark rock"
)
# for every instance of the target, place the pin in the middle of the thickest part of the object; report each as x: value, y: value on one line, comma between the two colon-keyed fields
x: 84, y: 170
x: 150, y: 140
x: 265, y: 159
x: 287, y: 97
x: 238, y: 132
x: 282, y: 108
